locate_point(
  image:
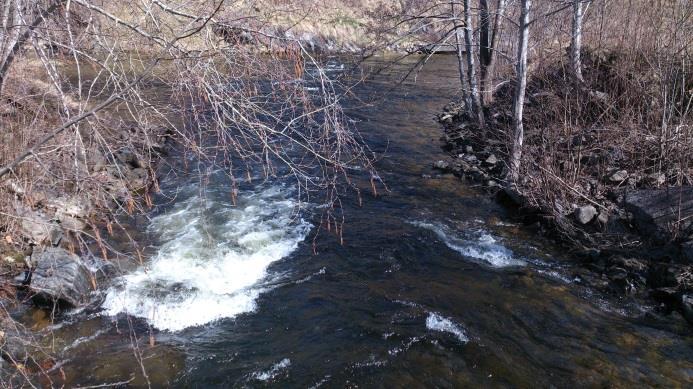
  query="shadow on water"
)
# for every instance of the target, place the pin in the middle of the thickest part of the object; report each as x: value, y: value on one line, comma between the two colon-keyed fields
x: 434, y: 286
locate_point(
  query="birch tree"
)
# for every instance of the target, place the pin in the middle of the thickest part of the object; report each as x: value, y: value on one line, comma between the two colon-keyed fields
x: 519, y: 98
x: 471, y: 49
x: 579, y: 8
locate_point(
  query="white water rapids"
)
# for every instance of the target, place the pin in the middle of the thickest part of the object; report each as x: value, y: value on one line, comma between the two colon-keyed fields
x: 211, y: 262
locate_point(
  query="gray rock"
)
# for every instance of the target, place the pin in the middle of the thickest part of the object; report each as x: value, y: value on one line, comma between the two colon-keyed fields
x: 56, y: 234
x: 470, y: 158
x: 662, y: 214
x: 72, y: 223
x: 76, y: 206
x: 687, y: 307
x: 137, y: 178
x: 469, y: 149
x: 35, y: 224
x: 491, y: 160
x: 603, y: 218
x: 585, y: 214
x: 619, y: 176
x: 656, y: 179
x: 60, y: 277
x: 127, y: 157
x: 442, y: 165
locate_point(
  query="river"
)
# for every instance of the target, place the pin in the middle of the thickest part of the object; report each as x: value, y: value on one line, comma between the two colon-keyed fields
x: 434, y: 285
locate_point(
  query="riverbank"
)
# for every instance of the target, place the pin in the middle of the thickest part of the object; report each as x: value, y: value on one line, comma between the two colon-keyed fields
x: 593, y: 187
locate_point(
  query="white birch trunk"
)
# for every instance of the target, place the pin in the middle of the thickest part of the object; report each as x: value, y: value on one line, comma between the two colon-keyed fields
x: 471, y: 66
x: 519, y: 99
x: 576, y: 39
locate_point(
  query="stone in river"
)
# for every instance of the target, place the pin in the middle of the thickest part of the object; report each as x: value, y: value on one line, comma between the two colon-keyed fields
x: 60, y: 277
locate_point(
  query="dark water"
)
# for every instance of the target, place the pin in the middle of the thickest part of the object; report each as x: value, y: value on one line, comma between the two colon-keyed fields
x: 434, y: 286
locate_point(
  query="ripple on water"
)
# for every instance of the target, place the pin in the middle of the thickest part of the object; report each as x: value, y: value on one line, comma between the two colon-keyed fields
x: 276, y: 369
x: 436, y: 322
x: 477, y: 244
x: 211, y: 262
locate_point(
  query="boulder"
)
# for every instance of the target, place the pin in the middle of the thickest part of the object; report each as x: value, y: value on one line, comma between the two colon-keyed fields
x: 618, y: 176
x: 60, y: 277
x: 663, y: 214
x: 76, y: 206
x: 491, y: 160
x: 35, y: 224
x: 585, y: 214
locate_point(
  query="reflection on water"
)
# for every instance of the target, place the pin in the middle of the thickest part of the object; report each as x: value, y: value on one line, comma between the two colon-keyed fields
x: 433, y: 287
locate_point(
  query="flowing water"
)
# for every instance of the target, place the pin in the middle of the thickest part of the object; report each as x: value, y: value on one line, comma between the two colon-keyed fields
x: 434, y: 285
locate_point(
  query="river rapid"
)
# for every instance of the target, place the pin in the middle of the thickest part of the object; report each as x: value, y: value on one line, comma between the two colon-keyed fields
x: 433, y: 286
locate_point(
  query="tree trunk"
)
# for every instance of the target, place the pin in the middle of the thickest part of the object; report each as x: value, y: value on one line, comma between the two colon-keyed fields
x: 576, y: 39
x: 488, y: 60
x: 519, y: 99
x: 484, y: 35
x: 471, y: 66
x: 13, y: 40
x: 460, y: 61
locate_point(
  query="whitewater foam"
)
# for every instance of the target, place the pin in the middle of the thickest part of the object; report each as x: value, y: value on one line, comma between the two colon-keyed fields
x: 478, y: 245
x: 436, y: 322
x: 273, y: 371
x: 212, y: 260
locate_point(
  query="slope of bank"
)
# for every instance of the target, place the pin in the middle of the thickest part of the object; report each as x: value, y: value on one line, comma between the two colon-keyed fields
x: 621, y: 201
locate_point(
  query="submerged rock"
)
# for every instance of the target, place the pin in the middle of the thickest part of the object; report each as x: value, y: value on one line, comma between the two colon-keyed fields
x: 60, y: 277
x: 585, y: 214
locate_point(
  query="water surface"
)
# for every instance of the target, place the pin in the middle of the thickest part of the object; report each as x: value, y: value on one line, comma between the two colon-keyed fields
x: 434, y: 285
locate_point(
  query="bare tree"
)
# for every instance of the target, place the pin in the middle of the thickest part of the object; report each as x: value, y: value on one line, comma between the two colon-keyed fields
x: 19, y: 19
x: 488, y: 46
x: 464, y: 80
x: 519, y: 98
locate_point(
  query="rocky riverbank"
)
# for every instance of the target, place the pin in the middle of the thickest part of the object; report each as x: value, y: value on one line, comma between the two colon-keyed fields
x: 39, y: 261
x: 632, y: 232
